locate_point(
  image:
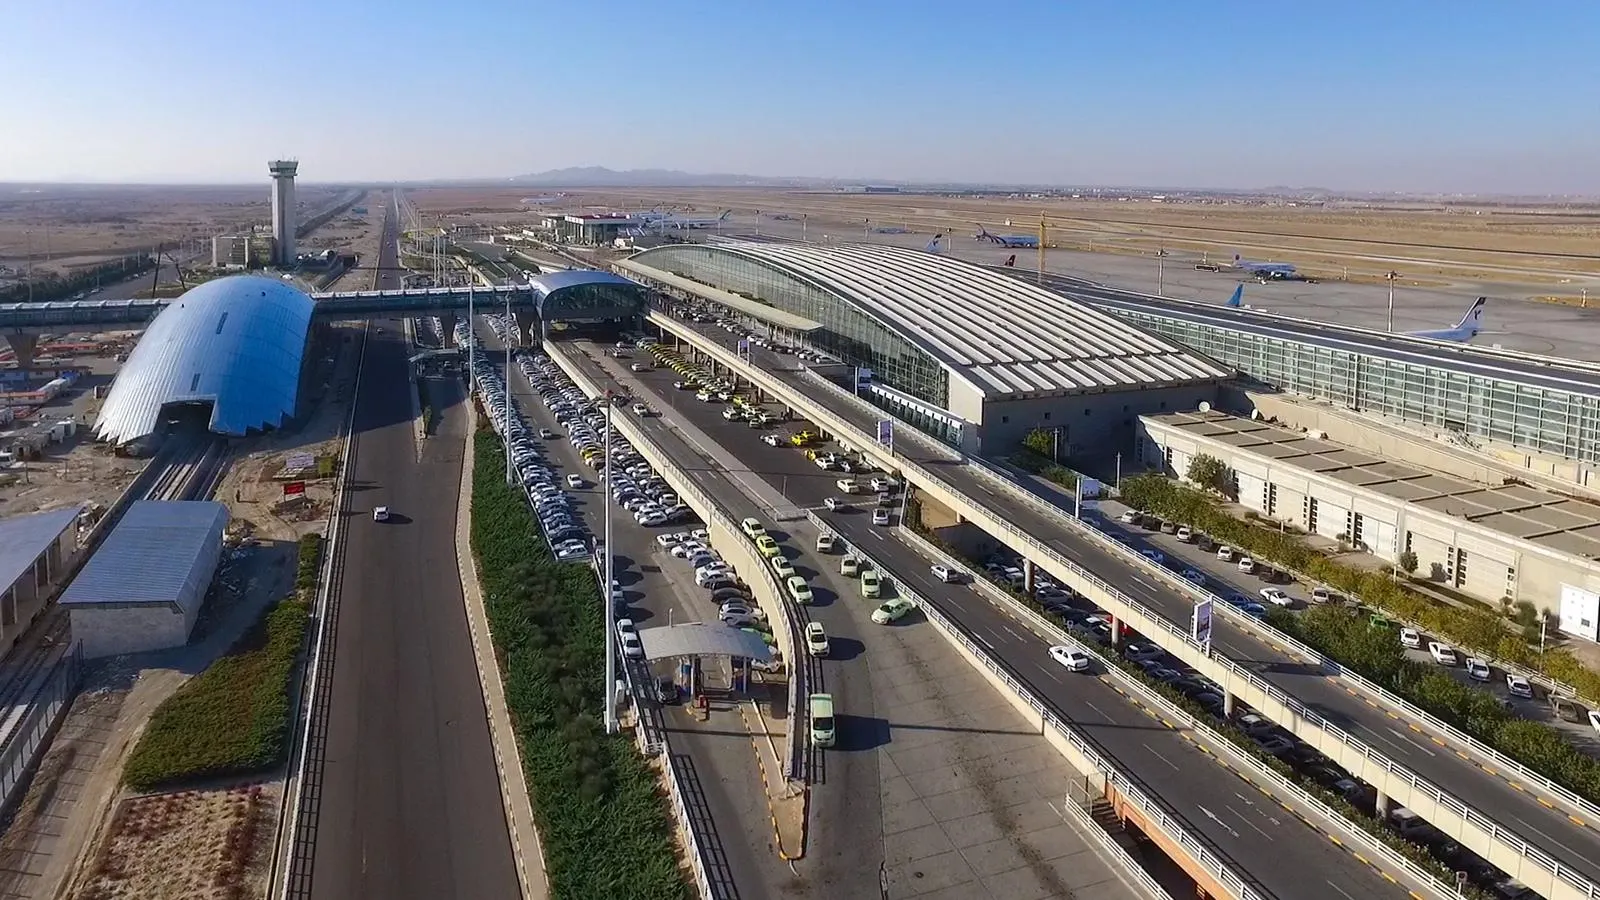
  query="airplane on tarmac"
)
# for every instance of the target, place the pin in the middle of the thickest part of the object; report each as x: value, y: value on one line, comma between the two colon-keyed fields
x: 1263, y: 269
x: 1468, y: 328
x: 891, y: 229
x: 1011, y: 240
x: 935, y: 245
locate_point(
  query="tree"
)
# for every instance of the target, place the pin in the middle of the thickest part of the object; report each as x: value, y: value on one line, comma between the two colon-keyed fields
x: 1408, y: 562
x: 1207, y: 471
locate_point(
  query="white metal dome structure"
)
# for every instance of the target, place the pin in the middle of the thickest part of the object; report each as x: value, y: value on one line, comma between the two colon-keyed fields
x: 236, y: 343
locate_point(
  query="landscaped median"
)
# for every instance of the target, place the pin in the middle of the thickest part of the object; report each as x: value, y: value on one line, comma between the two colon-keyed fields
x: 603, y: 820
x: 233, y: 718
x: 1374, y: 653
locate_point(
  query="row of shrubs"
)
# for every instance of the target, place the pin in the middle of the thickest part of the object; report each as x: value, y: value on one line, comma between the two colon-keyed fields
x: 602, y: 817
x: 233, y: 718
x: 1349, y: 638
x: 1368, y: 822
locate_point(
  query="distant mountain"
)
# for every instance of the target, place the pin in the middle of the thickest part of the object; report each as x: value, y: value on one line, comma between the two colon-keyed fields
x: 600, y: 176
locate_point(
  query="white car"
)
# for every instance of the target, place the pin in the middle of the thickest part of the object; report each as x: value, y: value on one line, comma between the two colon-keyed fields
x: 1185, y: 534
x: 833, y: 504
x: 380, y: 514
x: 1411, y: 638
x: 1155, y: 556
x: 639, y: 409
x: 574, y: 481
x: 632, y: 647
x: 945, y: 574
x: 1443, y: 654
x: 816, y: 639
x: 1518, y: 686
x: 1072, y: 658
x: 771, y: 440
x: 880, y: 516
x: 1477, y: 669
x: 1277, y: 597
x: 825, y: 542
x: 667, y: 541
x: 1128, y: 517
x: 848, y: 485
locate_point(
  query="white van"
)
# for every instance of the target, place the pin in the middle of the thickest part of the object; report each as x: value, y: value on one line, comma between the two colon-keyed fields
x: 821, y: 709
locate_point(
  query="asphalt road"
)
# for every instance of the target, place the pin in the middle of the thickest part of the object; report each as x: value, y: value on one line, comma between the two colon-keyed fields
x: 1263, y: 843
x: 1518, y: 809
x: 410, y: 804
x: 846, y: 844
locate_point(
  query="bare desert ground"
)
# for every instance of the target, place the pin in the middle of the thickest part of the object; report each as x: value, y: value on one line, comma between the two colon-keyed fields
x: 1486, y: 243
x: 61, y: 226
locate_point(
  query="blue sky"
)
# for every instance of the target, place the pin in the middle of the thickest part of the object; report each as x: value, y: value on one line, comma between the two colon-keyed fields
x: 1407, y: 95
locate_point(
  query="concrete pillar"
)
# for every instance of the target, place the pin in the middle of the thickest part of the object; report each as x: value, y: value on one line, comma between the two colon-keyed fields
x: 447, y: 323
x: 1116, y: 632
x: 1227, y: 703
x: 23, y: 345
x: 1385, y: 805
x: 1028, y: 583
x: 8, y: 608
x: 525, y: 321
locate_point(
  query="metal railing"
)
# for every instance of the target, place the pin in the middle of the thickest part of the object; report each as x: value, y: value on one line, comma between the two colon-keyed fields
x: 1113, y: 776
x: 1168, y: 634
x: 31, y: 735
x: 1051, y: 631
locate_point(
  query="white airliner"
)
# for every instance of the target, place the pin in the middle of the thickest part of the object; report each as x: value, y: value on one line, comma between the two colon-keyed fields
x: 671, y: 221
x: 1468, y: 328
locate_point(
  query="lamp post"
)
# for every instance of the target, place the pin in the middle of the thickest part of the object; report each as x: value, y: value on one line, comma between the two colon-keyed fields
x: 1391, y: 277
x: 1161, y: 271
x: 608, y: 688
x: 505, y: 433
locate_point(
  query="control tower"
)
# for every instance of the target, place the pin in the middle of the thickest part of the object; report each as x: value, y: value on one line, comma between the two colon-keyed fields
x: 283, y: 224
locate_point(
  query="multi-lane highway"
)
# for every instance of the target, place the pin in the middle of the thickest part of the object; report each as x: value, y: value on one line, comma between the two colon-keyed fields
x: 1283, y: 857
x: 410, y: 801
x: 1540, y: 821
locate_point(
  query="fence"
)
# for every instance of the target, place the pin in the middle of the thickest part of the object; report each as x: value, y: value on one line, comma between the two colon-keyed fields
x: 30, y: 737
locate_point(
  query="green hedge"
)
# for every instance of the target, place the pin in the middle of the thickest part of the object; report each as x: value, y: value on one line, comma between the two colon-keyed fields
x: 602, y: 818
x: 1347, y: 636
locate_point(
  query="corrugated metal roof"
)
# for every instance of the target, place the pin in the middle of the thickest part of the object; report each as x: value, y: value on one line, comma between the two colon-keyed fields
x: 236, y: 342
x: 163, y: 551
x: 23, y: 538
x: 702, y: 639
x: 999, y: 334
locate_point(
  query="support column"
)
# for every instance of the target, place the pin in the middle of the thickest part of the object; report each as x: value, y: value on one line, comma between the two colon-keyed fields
x: 1385, y: 805
x: 1227, y: 703
x: 23, y: 346
x: 1116, y: 632
x: 447, y: 324
x: 525, y: 322
x: 1028, y: 583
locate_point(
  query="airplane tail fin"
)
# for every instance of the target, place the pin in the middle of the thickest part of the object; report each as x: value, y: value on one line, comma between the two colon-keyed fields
x: 1237, y: 300
x: 1472, y: 322
x: 933, y: 245
x: 725, y: 214
x: 1011, y: 260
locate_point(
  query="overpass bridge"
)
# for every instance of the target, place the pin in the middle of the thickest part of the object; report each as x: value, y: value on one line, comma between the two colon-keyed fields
x: 567, y: 296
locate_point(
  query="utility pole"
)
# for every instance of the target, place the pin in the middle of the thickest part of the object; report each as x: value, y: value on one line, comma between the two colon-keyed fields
x: 505, y: 434
x: 1161, y: 271
x: 1391, y: 277
x: 1041, y: 249
x: 609, y: 688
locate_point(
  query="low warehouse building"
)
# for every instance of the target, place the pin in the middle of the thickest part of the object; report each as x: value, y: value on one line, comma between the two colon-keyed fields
x: 36, y: 550
x: 143, y: 589
x: 1489, y: 540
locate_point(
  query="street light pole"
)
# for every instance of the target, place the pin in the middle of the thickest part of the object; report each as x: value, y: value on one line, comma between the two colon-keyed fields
x: 609, y: 688
x: 505, y: 434
x: 1391, y: 276
x: 1161, y: 271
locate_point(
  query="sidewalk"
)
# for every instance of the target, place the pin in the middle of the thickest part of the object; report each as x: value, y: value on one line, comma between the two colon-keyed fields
x: 513, y: 786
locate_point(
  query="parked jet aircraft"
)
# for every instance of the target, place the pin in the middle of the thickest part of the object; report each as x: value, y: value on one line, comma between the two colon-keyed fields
x: 891, y: 229
x: 1263, y: 269
x: 1004, y: 240
x: 672, y: 221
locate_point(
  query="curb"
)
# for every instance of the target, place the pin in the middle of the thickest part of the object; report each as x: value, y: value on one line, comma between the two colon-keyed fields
x: 766, y: 790
x: 513, y: 786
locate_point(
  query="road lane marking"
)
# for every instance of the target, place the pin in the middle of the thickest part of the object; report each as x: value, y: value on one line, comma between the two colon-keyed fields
x: 1213, y: 817
x: 1157, y: 754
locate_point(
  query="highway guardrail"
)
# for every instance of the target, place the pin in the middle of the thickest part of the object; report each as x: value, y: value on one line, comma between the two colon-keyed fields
x: 1081, y: 751
x: 1476, y: 829
x: 1049, y: 630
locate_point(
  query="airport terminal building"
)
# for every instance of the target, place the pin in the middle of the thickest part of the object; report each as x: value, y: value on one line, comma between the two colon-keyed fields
x: 967, y: 354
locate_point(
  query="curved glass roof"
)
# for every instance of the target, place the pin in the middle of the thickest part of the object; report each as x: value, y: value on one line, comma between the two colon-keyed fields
x: 235, y: 342
x: 1002, y: 336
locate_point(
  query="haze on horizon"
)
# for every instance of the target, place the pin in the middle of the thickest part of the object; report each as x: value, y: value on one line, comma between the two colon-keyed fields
x: 1420, y: 97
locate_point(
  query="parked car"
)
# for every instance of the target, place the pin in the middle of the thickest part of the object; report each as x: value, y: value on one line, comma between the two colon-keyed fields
x: 891, y: 611
x: 1411, y: 638
x: 945, y: 574
x: 1443, y: 654
x: 816, y: 639
x: 1074, y: 659
x: 1477, y: 669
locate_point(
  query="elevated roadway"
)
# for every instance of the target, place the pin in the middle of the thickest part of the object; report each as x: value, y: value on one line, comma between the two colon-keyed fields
x: 404, y: 793
x: 1291, y: 861
x: 857, y: 809
x: 1526, y: 828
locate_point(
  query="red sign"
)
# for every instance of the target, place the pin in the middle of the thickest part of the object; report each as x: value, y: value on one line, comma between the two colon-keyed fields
x: 292, y: 488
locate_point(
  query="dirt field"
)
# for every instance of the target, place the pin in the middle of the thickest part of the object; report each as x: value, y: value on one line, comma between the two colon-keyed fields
x: 1487, y: 243
x: 58, y: 226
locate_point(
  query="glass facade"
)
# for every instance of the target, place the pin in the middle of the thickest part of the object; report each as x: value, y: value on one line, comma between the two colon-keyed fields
x: 1556, y: 422
x: 848, y: 333
x: 582, y: 300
